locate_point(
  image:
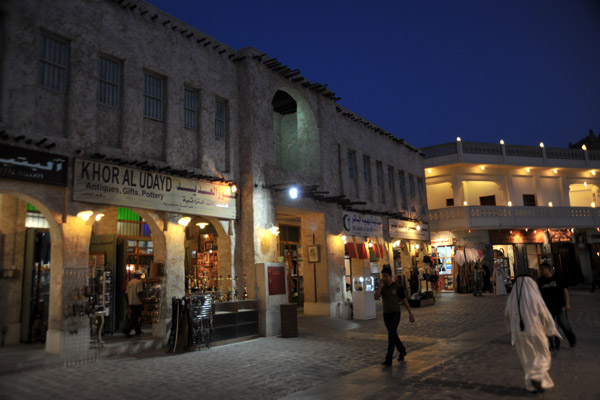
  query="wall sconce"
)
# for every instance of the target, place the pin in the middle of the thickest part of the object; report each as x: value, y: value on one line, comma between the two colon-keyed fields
x: 593, y: 205
x: 184, y: 221
x: 482, y: 167
x: 274, y: 230
x: 510, y: 203
x: 293, y: 192
x: 593, y: 172
x: 550, y: 204
x: 418, y: 227
x: 527, y: 169
x: 233, y: 188
x: 206, y: 236
x: 85, y: 215
x: 202, y: 225
x: 465, y: 203
x: 555, y: 171
x: 99, y: 216
x: 429, y: 171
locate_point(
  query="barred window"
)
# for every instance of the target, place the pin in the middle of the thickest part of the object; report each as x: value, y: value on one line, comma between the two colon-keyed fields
x: 391, y: 179
x: 54, y: 55
x: 190, y: 109
x: 220, y: 112
x: 402, y: 189
x: 367, y: 169
x: 153, y: 97
x: 109, y: 82
x: 379, y: 177
x: 352, y: 165
x: 529, y: 200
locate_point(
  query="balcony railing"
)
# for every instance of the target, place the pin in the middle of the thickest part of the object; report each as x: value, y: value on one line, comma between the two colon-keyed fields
x: 500, y: 217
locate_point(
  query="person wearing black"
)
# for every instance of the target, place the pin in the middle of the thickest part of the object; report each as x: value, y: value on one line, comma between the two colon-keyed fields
x: 392, y: 294
x: 556, y: 296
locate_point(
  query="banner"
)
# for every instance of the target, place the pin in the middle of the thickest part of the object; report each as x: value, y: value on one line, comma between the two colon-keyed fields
x: 408, y: 230
x: 362, y: 225
x: 31, y: 165
x: 97, y: 182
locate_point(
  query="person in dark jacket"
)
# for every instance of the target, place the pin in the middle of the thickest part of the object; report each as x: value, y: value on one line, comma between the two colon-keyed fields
x: 556, y: 296
x: 392, y: 294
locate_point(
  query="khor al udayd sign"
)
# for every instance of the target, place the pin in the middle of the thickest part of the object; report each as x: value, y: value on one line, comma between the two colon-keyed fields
x: 97, y: 182
x: 408, y: 230
x: 362, y: 225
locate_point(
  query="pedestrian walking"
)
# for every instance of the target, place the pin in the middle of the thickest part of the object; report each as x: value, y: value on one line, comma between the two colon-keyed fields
x: 530, y: 323
x: 135, y: 289
x: 556, y: 296
x: 392, y: 294
x: 499, y: 277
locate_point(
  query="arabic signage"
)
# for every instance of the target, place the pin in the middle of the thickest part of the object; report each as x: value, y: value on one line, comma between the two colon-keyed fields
x: 31, y: 165
x: 408, y: 230
x: 97, y: 182
x: 362, y: 225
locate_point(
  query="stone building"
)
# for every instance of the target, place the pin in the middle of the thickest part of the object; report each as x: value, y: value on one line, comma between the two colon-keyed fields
x: 131, y: 140
x: 514, y: 206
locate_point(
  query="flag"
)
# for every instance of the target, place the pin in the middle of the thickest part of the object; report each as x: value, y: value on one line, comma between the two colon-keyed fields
x: 351, y: 249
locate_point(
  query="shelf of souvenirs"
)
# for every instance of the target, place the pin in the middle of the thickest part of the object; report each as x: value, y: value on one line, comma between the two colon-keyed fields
x: 222, y: 289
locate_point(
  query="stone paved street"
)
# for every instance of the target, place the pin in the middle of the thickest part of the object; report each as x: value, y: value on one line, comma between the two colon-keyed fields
x: 457, y: 349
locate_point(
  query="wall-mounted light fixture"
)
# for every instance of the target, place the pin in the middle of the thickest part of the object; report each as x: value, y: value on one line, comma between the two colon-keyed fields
x: 293, y: 192
x: 555, y: 171
x: 202, y: 225
x: 465, y: 203
x: 85, y: 215
x: 510, y: 203
x: 584, y: 184
x: 429, y: 171
x: 482, y: 167
x: 233, y: 188
x: 550, y: 204
x: 274, y: 230
x: 542, y: 145
x: 593, y: 172
x: 184, y: 221
x: 593, y: 205
x: 396, y: 243
x: 527, y: 169
x: 99, y: 216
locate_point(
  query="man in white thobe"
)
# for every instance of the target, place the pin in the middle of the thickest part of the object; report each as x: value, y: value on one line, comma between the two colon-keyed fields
x: 531, y: 324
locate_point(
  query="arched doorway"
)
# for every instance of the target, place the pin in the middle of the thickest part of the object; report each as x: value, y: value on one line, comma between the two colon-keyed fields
x: 123, y: 241
x: 208, y: 261
x: 297, y: 141
x: 28, y: 235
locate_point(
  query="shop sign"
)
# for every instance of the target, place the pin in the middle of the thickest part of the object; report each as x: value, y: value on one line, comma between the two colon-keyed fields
x: 32, y: 165
x: 442, y: 242
x: 362, y: 225
x: 408, y: 230
x: 97, y: 182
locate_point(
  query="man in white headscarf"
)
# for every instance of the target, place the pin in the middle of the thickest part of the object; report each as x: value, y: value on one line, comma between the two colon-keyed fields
x: 530, y: 324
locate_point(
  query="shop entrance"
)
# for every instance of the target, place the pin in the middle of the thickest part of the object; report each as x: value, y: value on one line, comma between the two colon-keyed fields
x: 25, y: 259
x: 290, y: 250
x: 121, y: 244
x: 565, y: 263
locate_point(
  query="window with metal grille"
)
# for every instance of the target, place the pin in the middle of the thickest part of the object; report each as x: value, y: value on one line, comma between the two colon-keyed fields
x: 449, y: 202
x: 153, y: 97
x: 402, y: 189
x: 220, y: 114
x: 367, y: 169
x: 379, y: 177
x: 109, y: 82
x: 391, y: 179
x: 190, y: 109
x: 529, y: 200
x: 54, y: 55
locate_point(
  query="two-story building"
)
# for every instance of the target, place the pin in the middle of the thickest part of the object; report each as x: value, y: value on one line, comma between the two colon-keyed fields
x: 514, y: 206
x: 132, y: 141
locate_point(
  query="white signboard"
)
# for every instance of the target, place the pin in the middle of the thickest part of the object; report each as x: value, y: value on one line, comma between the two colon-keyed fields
x: 408, y: 230
x: 97, y: 182
x: 362, y: 225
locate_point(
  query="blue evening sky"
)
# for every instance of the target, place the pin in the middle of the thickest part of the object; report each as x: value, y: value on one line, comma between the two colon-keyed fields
x: 428, y: 71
